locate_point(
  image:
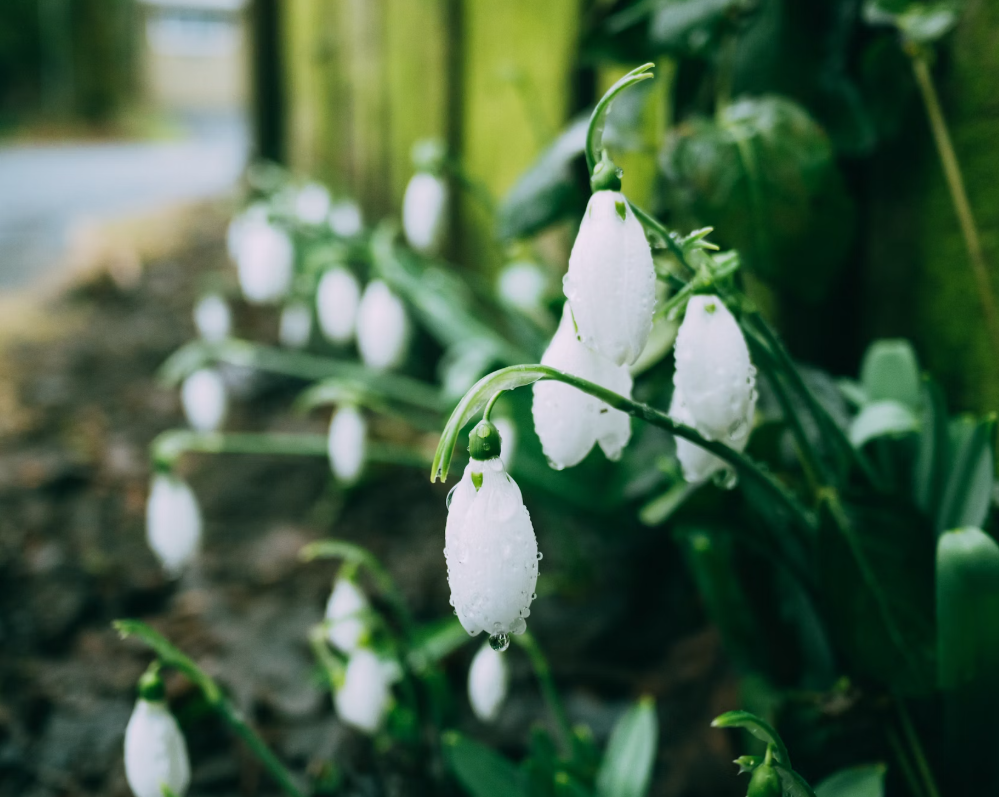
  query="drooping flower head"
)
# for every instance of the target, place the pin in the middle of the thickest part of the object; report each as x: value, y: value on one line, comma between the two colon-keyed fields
x: 295, y: 328
x: 522, y: 284
x: 345, y: 218
x: 312, y: 203
x: 347, y: 443
x: 346, y: 612
x: 365, y: 696
x: 173, y: 522
x: 425, y: 203
x: 155, y: 751
x: 488, y: 682
x: 265, y: 258
x: 203, y: 396
x: 212, y: 318
x: 382, y: 327
x: 337, y: 300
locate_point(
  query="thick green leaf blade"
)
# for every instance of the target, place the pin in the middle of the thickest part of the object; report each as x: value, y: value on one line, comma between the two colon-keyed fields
x: 631, y: 752
x: 882, y: 419
x: 890, y: 371
x: 482, y: 772
x: 792, y: 784
x: 862, y: 781
x: 929, y: 473
x: 967, y: 494
x: 758, y: 727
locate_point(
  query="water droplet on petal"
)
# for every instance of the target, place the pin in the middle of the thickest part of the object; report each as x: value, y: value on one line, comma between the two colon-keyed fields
x: 499, y: 642
x: 450, y: 496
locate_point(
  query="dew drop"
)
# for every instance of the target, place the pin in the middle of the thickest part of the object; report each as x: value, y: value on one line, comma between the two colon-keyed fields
x: 725, y: 479
x: 540, y: 556
x: 499, y: 642
x: 450, y: 496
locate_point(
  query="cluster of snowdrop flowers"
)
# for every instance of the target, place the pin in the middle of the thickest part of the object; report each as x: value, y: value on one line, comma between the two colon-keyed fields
x: 490, y: 548
x: 347, y: 444
x: 205, y: 401
x: 488, y: 683
x: 383, y: 329
x: 338, y: 296
x: 156, y: 761
x: 212, y: 318
x: 173, y: 522
x: 264, y: 256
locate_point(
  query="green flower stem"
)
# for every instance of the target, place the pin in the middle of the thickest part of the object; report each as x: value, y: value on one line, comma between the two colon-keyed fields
x: 912, y: 738
x: 904, y: 765
x: 653, y: 225
x: 958, y: 194
x: 547, y: 684
x: 170, y: 656
x: 595, y: 132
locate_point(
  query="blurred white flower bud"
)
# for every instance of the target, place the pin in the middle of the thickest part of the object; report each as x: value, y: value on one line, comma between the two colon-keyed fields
x: 345, y: 218
x: 382, y: 327
x: 155, y: 752
x: 173, y: 522
x: 611, y: 282
x: 366, y: 694
x: 522, y: 284
x: 265, y: 258
x: 488, y: 681
x: 345, y: 613
x: 424, y: 212
x: 204, y: 398
x: 347, y: 443
x: 312, y: 203
x: 569, y: 421
x: 491, y: 552
x: 212, y: 318
x: 337, y: 300
x: 296, y: 325
x: 508, y: 436
x: 255, y: 214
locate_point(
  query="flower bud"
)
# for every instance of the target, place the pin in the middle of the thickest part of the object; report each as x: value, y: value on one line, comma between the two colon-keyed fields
x: 212, y: 318
x: 424, y: 212
x: 265, y: 260
x: 312, y: 203
x: 522, y: 285
x: 488, y: 681
x: 569, y: 421
x: 203, y: 396
x: 491, y: 552
x: 764, y: 782
x: 345, y: 218
x: 337, y: 299
x: 173, y: 522
x: 296, y: 325
x: 155, y: 752
x: 611, y: 282
x: 255, y: 214
x: 346, y: 612
x: 382, y: 327
x: 366, y: 694
x: 347, y: 444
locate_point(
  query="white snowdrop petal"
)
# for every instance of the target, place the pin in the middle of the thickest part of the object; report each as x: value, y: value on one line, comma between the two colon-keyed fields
x: 508, y: 438
x: 697, y: 463
x: 366, y: 695
x: 312, y: 203
x: 203, y: 396
x: 611, y: 281
x: 337, y: 300
x: 212, y: 318
x: 253, y: 215
x: 155, y: 752
x: 491, y: 552
x: 265, y: 258
x: 522, y: 285
x: 382, y: 327
x: 424, y: 212
x: 347, y: 444
x: 488, y: 682
x: 296, y: 325
x: 173, y: 522
x: 345, y: 612
x: 345, y: 218
x: 568, y: 421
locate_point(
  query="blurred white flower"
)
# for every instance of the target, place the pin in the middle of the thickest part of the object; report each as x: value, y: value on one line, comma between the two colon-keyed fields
x: 204, y: 398
x: 522, y: 284
x: 424, y: 212
x: 508, y: 436
x: 265, y: 258
x: 366, y: 694
x: 611, y: 282
x: 488, y: 681
x: 382, y: 327
x: 337, y: 300
x: 155, y: 752
x: 312, y: 203
x: 173, y: 522
x: 569, y: 421
x: 347, y: 444
x: 255, y: 214
x: 491, y: 551
x: 345, y: 218
x: 296, y: 325
x: 212, y: 318
x: 345, y: 613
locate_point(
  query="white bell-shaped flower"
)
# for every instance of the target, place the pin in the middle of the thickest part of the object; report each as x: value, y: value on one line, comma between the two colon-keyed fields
x: 347, y: 444
x: 265, y: 259
x: 488, y: 682
x: 568, y: 421
x: 205, y: 401
x: 173, y: 522
x: 424, y: 212
x: 611, y: 282
x: 255, y: 214
x: 522, y: 284
x: 212, y: 318
x: 295, y: 328
x: 346, y: 612
x: 337, y: 299
x: 312, y: 203
x: 364, y: 698
x: 382, y: 327
x: 155, y: 752
x: 345, y: 218
x: 491, y: 552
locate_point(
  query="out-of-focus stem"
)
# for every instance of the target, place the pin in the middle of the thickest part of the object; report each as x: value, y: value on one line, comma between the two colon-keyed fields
x: 547, y: 684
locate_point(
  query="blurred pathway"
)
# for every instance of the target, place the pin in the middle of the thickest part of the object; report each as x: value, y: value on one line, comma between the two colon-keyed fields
x: 46, y: 189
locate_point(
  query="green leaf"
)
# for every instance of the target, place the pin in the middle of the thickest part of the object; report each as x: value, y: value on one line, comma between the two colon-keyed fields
x: 676, y: 24
x: 482, y: 772
x: 860, y: 781
x: 890, y: 371
x: 626, y: 770
x: 792, y: 784
x: 929, y: 471
x: 881, y: 419
x: 661, y: 508
x: 759, y: 728
x: 967, y: 493
x: 595, y: 129
x: 920, y: 22
x: 433, y: 642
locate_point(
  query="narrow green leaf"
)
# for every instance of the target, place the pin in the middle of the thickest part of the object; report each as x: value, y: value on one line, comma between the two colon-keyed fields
x: 881, y: 419
x: 792, y: 783
x: 483, y: 772
x: 890, y: 371
x: 661, y: 508
x: 595, y: 129
x: 861, y: 781
x: 626, y: 770
x: 435, y: 641
x: 758, y: 727
x: 929, y: 474
x: 967, y: 494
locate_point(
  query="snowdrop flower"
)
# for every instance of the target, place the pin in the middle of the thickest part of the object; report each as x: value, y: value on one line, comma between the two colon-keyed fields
x: 347, y: 444
x: 204, y: 399
x: 365, y: 696
x: 522, y: 285
x: 212, y: 318
x: 611, y: 282
x: 488, y: 681
x: 265, y: 260
x: 337, y: 300
x: 424, y: 212
x: 490, y: 548
x: 345, y: 218
x: 382, y: 327
x: 312, y: 203
x: 155, y: 751
x: 255, y: 214
x: 296, y: 325
x: 173, y: 522
x: 508, y: 438
x: 345, y: 612
x: 568, y: 421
